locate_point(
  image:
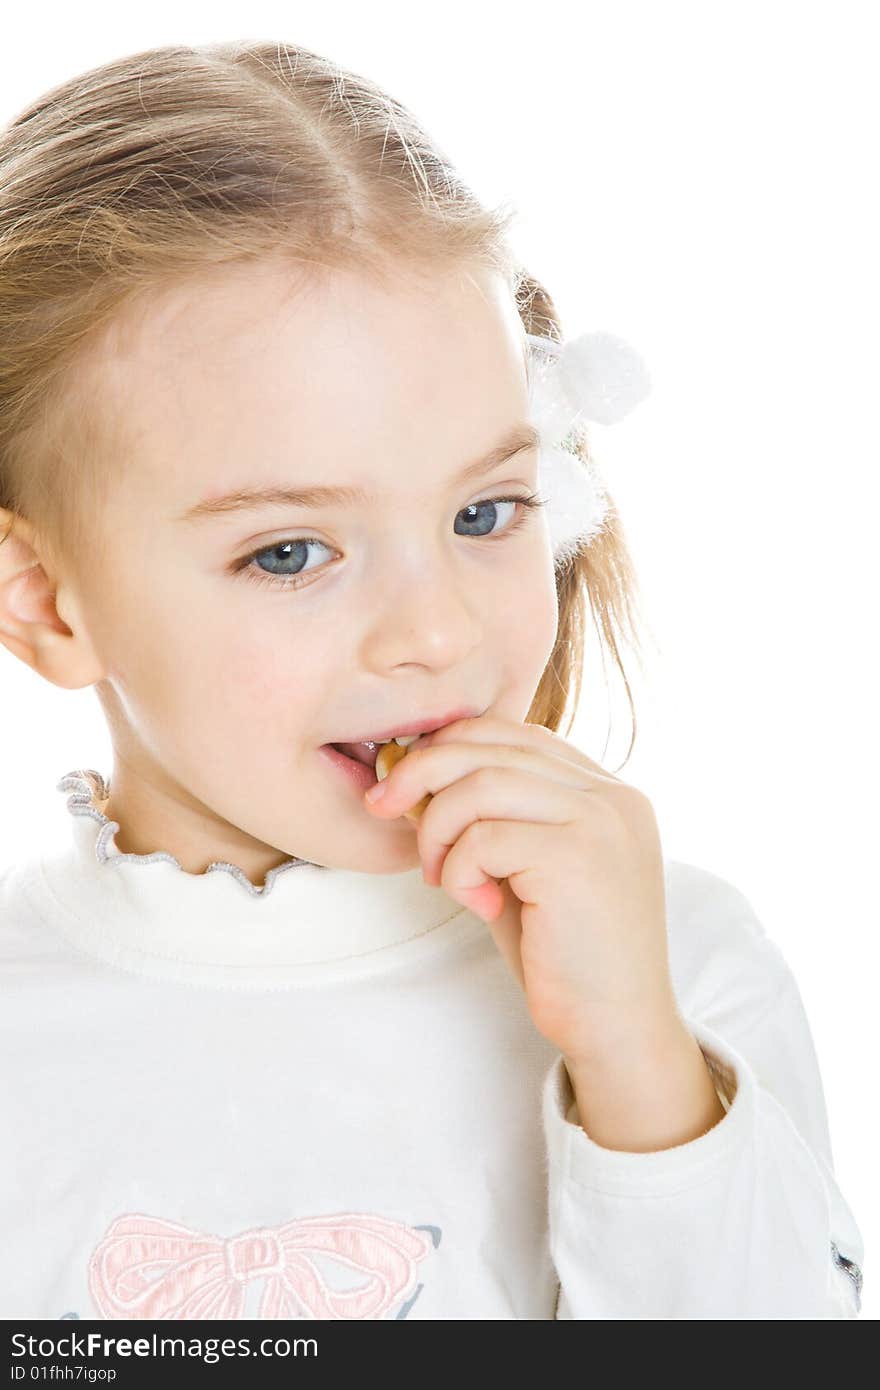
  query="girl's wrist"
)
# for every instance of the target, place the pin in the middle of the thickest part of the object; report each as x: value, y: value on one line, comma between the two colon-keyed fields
x: 645, y: 1101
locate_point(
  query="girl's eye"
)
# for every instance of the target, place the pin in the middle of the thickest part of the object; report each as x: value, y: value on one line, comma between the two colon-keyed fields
x: 292, y: 552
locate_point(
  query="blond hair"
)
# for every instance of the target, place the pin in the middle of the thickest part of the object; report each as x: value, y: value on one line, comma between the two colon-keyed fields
x: 158, y: 165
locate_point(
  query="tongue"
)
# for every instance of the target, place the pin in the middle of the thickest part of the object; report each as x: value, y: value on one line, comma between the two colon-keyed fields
x: 359, y: 751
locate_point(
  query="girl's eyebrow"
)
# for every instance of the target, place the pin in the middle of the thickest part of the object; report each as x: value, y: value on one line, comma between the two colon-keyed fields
x: 516, y: 441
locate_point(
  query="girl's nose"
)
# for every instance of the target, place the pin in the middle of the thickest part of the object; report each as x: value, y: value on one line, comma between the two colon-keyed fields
x: 430, y: 621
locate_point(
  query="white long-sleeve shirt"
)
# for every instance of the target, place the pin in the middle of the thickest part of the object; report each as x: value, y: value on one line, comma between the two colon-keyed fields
x: 325, y: 1098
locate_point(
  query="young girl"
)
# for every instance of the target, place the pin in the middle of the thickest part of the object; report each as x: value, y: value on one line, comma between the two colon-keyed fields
x: 273, y: 1048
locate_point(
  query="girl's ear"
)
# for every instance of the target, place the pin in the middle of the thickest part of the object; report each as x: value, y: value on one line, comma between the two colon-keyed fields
x: 30, y: 624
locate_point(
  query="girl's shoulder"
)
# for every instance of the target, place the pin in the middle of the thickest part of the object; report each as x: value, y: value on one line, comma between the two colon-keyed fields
x: 25, y: 914
x: 719, y: 949
x: 694, y: 889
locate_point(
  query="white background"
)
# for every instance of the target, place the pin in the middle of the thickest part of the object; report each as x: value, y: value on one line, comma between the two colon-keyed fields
x: 698, y: 178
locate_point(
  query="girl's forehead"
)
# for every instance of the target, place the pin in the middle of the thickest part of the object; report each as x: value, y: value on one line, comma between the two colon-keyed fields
x: 242, y: 304
x: 238, y: 384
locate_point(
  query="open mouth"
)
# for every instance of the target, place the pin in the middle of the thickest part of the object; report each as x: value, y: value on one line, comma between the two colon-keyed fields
x: 366, y: 753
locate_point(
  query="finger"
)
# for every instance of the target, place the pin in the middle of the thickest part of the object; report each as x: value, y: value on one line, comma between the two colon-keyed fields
x: 504, y: 922
x: 429, y: 770
x: 491, y: 794
x: 491, y: 729
x: 492, y: 870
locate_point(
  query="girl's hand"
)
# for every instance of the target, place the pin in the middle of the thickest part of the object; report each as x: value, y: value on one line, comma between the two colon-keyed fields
x: 581, y: 914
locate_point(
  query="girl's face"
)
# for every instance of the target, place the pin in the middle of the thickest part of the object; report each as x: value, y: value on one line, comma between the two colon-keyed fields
x: 223, y: 675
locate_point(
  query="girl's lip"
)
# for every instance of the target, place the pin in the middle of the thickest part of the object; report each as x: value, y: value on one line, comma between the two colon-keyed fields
x: 360, y: 773
x: 423, y: 726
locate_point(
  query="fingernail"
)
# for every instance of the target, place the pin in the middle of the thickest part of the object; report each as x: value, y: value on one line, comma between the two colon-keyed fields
x: 373, y: 793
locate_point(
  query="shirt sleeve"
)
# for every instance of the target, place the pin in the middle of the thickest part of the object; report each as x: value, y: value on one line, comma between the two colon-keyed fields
x: 745, y: 1221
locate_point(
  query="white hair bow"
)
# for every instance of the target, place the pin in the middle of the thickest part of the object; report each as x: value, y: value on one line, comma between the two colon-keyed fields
x: 596, y: 376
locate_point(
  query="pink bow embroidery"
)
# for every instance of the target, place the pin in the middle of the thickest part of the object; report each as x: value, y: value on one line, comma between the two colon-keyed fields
x: 145, y: 1267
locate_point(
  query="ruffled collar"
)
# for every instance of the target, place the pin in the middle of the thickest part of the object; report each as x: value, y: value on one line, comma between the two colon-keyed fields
x: 89, y: 792
x: 307, y: 924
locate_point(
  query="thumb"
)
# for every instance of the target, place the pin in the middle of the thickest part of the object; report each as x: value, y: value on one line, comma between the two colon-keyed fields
x: 501, y: 910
